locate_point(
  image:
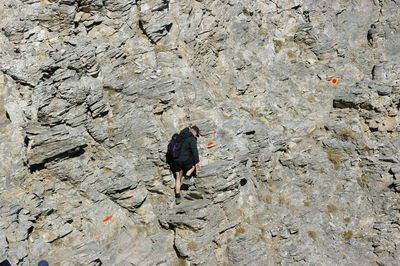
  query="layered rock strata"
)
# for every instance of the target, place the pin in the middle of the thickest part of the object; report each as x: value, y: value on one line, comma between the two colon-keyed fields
x: 298, y: 105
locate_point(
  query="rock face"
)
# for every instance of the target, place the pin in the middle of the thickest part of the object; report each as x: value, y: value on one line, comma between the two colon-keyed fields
x: 297, y: 101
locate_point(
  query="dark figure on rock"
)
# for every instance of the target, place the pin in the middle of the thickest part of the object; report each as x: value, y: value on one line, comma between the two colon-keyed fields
x: 183, y: 156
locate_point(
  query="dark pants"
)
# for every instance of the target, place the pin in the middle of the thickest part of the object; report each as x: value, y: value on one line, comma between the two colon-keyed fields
x: 182, y: 166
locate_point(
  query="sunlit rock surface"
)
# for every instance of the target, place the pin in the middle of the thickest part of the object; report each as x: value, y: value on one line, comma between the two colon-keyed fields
x: 298, y: 105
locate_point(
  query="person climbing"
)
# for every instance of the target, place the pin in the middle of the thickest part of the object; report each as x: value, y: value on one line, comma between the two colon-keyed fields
x: 187, y: 160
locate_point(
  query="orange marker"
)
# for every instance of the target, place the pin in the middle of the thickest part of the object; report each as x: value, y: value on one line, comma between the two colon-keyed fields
x: 334, y: 81
x: 210, y: 144
x: 108, y: 218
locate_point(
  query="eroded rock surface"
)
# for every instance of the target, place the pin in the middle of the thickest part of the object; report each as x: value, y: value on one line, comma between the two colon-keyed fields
x: 297, y: 101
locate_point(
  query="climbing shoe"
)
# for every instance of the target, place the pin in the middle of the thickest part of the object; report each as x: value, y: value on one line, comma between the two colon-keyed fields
x: 178, y: 199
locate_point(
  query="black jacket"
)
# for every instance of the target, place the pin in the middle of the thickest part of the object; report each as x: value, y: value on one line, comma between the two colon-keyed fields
x: 188, y: 150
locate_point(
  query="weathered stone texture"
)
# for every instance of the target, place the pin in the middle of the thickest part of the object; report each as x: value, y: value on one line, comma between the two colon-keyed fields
x: 297, y: 101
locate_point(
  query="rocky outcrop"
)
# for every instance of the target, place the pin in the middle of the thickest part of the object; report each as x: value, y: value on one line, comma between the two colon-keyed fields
x: 297, y: 102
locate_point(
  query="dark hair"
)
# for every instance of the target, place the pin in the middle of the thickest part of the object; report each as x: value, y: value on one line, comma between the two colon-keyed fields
x: 195, y: 128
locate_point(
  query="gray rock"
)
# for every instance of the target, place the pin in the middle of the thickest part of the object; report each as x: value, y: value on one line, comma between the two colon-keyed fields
x: 54, y: 228
x: 154, y: 19
x: 3, y: 241
x: 39, y: 248
x: 304, y: 35
x: 18, y: 253
x: 189, y: 215
x: 245, y: 250
x: 47, y: 145
x: 381, y: 89
x: 353, y: 98
x: 131, y: 199
x: 17, y: 232
x: 396, y: 185
x: 296, y: 169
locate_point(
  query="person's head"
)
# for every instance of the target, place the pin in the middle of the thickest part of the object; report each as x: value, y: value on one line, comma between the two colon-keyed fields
x: 195, y: 131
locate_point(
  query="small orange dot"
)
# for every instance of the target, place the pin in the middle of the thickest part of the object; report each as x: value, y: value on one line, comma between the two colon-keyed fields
x: 334, y: 81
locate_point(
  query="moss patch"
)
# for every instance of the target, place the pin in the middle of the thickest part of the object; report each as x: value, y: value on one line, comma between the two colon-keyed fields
x: 312, y: 234
x: 344, y: 134
x: 278, y: 45
x: 263, y: 31
x: 268, y: 198
x: 240, y: 231
x: 362, y: 180
x: 347, y: 219
x: 161, y: 48
x: 192, y: 245
x: 291, y: 54
x: 334, y: 157
x: 110, y: 91
x: 332, y: 208
x: 181, y: 261
x: 347, y: 235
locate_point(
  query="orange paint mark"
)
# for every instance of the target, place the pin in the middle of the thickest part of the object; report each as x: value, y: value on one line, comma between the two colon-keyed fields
x: 108, y: 218
x: 334, y: 81
x: 210, y: 144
